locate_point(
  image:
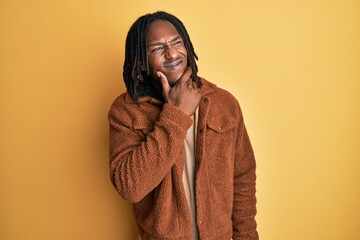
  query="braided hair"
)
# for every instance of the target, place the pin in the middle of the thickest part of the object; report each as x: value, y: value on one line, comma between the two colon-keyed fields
x: 136, y: 71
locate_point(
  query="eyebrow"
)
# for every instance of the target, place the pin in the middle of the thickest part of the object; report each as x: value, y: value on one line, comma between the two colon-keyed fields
x: 162, y: 43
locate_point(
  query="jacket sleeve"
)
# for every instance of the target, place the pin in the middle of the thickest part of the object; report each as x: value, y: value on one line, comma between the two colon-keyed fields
x: 244, y: 209
x: 139, y: 163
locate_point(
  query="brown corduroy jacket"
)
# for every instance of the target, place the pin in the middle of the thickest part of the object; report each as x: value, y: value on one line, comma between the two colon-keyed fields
x: 147, y: 161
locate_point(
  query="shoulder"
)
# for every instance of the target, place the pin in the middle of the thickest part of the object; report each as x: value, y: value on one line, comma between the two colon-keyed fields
x: 125, y: 111
x: 221, y: 100
x: 121, y: 103
x: 118, y: 107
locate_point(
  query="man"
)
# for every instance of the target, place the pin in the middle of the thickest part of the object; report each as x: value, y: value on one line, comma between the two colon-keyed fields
x: 179, y: 150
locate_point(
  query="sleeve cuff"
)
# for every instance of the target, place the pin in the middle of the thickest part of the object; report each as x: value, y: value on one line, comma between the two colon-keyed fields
x: 176, y: 116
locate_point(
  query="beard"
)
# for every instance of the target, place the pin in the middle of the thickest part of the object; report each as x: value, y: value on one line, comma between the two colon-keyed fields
x: 172, y: 83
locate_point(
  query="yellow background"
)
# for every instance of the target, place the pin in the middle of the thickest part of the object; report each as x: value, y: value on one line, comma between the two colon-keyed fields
x: 293, y: 65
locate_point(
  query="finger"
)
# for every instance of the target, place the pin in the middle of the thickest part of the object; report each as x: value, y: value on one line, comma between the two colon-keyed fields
x: 194, y: 85
x: 189, y: 81
x: 186, y: 75
x: 164, y: 83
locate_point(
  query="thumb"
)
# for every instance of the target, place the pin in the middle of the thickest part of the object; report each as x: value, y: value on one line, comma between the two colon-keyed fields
x: 164, y: 83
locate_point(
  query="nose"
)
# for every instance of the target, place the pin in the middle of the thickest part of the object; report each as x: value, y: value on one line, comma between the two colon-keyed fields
x: 170, y: 52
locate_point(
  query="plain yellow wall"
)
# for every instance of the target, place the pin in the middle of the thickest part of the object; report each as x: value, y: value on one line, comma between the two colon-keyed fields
x: 293, y: 65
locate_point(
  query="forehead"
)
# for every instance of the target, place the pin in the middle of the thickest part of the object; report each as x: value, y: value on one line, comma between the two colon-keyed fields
x: 161, y: 30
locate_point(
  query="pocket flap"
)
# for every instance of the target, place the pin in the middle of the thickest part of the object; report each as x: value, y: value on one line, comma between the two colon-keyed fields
x: 222, y: 124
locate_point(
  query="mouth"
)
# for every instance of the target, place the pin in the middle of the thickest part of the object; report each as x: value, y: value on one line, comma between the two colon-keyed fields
x: 173, y: 65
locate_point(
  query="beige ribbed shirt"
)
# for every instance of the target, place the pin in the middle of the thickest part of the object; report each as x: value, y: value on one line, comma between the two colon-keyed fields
x: 189, y: 171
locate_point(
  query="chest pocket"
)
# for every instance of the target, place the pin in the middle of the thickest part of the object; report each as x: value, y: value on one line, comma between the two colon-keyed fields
x: 221, y: 125
x: 220, y: 139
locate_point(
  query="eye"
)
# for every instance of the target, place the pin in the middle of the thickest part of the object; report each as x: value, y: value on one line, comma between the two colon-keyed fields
x: 177, y: 42
x: 158, y: 49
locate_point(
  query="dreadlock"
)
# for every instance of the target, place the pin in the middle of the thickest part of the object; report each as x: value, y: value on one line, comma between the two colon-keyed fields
x: 136, y: 71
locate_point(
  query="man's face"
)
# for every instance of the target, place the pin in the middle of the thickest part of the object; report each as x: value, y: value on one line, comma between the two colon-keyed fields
x: 166, y: 51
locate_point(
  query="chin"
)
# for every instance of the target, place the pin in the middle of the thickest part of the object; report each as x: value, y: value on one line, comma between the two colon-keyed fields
x: 173, y: 78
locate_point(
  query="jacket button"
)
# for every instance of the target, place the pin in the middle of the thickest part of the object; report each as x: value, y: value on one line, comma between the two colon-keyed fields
x: 201, y: 130
x: 200, y: 222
